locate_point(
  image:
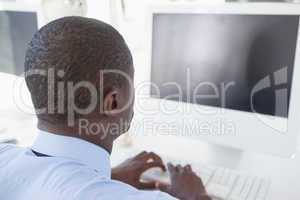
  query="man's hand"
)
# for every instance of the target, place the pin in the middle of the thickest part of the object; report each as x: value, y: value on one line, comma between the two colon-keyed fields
x: 131, y: 170
x: 185, y: 184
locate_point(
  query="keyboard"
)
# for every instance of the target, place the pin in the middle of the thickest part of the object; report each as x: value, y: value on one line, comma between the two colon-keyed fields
x: 221, y: 183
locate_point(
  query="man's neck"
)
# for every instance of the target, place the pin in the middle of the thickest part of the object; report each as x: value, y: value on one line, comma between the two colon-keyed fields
x: 103, y: 142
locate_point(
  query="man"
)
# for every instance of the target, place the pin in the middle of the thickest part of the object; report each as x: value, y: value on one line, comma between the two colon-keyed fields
x: 80, y: 69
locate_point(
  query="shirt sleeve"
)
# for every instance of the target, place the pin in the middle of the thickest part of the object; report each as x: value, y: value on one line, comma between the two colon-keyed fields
x: 164, y: 196
x: 151, y: 195
x: 112, y: 190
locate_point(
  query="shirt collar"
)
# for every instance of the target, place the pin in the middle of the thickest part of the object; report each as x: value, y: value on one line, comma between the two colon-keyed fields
x: 76, y: 149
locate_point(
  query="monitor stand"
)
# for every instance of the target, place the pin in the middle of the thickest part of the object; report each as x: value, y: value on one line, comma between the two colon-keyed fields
x: 220, y: 155
x: 214, y: 154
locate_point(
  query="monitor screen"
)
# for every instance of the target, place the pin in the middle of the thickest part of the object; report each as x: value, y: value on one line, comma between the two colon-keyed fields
x: 16, y: 31
x: 239, y: 62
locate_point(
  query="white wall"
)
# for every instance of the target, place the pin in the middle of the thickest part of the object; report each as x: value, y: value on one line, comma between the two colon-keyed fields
x: 99, y: 9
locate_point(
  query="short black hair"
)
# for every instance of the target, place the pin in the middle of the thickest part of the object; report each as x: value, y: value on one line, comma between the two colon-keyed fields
x: 79, y: 47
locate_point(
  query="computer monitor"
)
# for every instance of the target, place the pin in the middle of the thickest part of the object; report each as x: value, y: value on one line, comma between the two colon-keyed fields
x: 18, y: 24
x: 228, y: 74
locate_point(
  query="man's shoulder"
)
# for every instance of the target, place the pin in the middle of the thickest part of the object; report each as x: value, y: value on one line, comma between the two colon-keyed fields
x: 71, y: 180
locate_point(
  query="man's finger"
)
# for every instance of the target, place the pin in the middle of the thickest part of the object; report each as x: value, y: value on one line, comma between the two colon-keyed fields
x: 172, y: 170
x: 163, y: 187
x: 179, y: 168
x: 188, y: 169
x: 142, y: 154
x: 150, y: 165
x: 151, y: 157
x: 147, y: 185
x: 156, y: 158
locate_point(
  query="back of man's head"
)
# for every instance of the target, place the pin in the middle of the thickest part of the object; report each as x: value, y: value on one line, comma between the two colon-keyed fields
x: 69, y: 51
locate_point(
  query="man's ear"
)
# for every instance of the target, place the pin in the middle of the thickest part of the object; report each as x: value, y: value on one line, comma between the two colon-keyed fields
x: 111, y: 102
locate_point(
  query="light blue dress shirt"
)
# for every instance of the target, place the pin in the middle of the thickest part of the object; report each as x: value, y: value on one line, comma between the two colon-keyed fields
x: 76, y: 170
